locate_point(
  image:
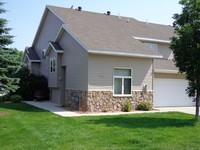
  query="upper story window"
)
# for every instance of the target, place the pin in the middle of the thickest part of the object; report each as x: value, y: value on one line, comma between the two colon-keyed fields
x: 122, y: 82
x: 152, y: 46
x: 52, y: 65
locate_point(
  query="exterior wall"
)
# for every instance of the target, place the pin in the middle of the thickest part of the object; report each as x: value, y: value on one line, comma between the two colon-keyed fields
x: 29, y: 65
x: 99, y: 101
x: 55, y: 95
x: 103, y: 101
x: 165, y: 51
x: 35, y: 68
x: 75, y: 58
x: 77, y: 99
x: 44, y: 70
x: 53, y: 76
x: 48, y: 33
x: 99, y: 96
x: 169, y: 76
x: 101, y: 72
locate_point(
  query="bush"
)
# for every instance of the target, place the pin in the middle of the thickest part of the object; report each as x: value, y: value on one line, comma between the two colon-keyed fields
x: 127, y: 106
x: 144, y: 106
x: 4, y: 98
x: 16, y: 98
x: 32, y: 86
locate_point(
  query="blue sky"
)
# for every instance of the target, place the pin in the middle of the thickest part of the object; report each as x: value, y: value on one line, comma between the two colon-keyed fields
x: 24, y: 15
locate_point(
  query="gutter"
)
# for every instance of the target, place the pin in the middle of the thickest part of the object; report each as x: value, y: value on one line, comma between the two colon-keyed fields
x: 152, y: 40
x: 123, y: 54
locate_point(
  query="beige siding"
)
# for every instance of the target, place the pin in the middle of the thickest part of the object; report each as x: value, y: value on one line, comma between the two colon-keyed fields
x: 75, y: 58
x: 165, y: 51
x: 169, y: 76
x: 101, y: 71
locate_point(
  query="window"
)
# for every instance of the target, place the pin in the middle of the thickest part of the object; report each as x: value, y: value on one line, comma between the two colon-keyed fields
x: 152, y: 46
x: 53, y: 65
x: 122, y: 82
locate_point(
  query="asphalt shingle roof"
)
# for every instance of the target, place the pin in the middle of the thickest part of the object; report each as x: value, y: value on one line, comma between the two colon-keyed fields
x: 32, y: 53
x: 111, y: 33
x: 164, y: 64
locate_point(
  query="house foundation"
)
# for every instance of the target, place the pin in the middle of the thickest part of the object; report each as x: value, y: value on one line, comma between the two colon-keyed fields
x: 104, y: 101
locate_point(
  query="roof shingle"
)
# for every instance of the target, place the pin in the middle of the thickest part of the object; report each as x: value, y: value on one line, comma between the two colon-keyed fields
x: 111, y: 33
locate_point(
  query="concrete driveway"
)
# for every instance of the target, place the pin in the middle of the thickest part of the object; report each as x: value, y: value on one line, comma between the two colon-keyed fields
x: 56, y: 109
x: 187, y: 110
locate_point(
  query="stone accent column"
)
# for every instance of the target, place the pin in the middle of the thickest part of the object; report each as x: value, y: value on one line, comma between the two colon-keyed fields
x: 77, y: 99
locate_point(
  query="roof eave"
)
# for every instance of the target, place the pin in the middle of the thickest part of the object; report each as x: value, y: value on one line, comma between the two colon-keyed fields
x: 123, y: 54
x: 50, y: 46
x: 31, y: 60
x: 152, y: 40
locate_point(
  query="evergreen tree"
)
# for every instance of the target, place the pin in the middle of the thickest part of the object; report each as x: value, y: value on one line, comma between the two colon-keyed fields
x: 186, y: 46
x: 9, y: 58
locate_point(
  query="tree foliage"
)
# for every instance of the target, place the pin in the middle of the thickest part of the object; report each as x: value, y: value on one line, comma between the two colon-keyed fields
x: 186, y: 46
x: 9, y: 58
x: 30, y: 84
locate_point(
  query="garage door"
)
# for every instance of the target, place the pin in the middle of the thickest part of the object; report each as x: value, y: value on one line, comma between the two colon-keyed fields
x: 171, y: 92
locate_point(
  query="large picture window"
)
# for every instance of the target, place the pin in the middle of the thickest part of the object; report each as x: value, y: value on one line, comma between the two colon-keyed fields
x: 53, y: 65
x: 122, y: 82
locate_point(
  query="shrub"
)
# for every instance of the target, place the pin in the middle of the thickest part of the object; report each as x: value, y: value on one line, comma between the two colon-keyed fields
x: 16, y: 98
x: 32, y: 86
x: 144, y: 106
x: 127, y: 106
x: 4, y: 98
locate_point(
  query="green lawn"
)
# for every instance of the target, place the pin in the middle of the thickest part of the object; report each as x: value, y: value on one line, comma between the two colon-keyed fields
x: 23, y: 127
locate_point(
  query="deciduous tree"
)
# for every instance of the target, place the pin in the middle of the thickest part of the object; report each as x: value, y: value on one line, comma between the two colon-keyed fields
x: 186, y: 46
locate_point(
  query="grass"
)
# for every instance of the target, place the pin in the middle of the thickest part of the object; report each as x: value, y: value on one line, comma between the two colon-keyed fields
x: 23, y: 127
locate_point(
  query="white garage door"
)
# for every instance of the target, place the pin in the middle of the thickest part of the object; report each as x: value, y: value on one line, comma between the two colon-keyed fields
x: 171, y: 92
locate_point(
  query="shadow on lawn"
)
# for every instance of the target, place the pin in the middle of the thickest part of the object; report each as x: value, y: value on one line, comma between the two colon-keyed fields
x: 21, y: 107
x: 144, y: 122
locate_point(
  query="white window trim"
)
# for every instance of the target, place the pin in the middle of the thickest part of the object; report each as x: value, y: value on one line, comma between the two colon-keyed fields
x: 122, y: 77
x: 51, y: 66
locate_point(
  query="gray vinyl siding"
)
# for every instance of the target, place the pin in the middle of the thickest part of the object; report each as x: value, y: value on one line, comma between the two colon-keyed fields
x: 101, y: 71
x: 35, y: 68
x: 48, y: 32
x: 53, y: 76
x: 75, y: 58
x: 44, y: 69
x: 55, y: 95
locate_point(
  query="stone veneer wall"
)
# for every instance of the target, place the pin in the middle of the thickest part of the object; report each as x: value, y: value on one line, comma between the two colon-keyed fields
x: 77, y: 99
x: 99, y: 101
x: 103, y: 101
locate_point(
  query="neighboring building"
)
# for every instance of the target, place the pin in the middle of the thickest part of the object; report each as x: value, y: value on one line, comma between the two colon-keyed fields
x: 96, y: 62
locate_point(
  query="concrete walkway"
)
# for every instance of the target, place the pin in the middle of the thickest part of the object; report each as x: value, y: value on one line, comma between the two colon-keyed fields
x: 56, y: 109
